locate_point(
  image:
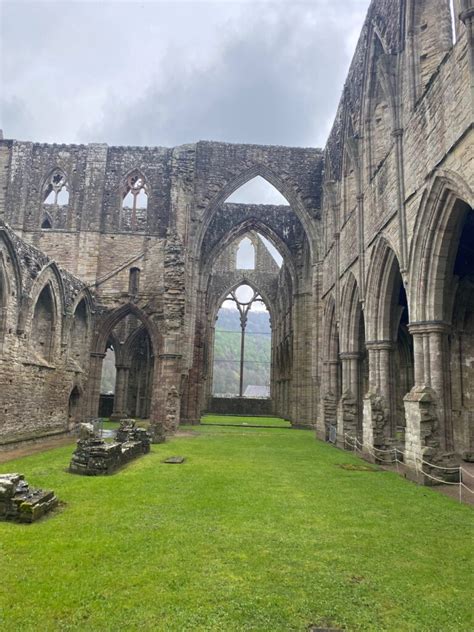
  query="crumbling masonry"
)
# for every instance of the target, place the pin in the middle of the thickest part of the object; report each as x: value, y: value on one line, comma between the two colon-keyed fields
x: 372, y: 311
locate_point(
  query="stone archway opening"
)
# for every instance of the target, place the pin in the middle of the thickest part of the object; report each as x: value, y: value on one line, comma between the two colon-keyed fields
x: 74, y: 407
x: 461, y: 340
x: 278, y: 263
x: 107, y: 382
x: 403, y: 370
x: 390, y: 352
x: 140, y: 379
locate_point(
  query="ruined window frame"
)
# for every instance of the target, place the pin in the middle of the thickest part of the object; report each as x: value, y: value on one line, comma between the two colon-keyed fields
x: 135, y: 184
x: 243, y: 307
x: 56, y: 183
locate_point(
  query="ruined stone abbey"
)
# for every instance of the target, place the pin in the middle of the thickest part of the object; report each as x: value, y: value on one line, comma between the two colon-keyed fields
x: 372, y: 310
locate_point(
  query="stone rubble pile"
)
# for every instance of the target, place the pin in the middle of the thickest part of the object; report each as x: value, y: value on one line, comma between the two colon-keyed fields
x: 20, y: 503
x: 94, y: 456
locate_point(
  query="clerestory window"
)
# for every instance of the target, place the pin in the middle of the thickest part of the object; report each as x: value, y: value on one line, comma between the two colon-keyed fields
x: 135, y: 203
x: 56, y: 191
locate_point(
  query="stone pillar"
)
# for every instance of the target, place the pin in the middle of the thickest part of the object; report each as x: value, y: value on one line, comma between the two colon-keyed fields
x: 378, y: 421
x: 346, y: 419
x: 347, y: 409
x: 209, y: 363
x: 166, y: 404
x: 333, y: 367
x: 121, y: 390
x: 93, y: 389
x: 428, y: 405
x: 350, y: 372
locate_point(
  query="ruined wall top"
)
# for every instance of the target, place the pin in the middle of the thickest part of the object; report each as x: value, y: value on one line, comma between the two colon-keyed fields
x: 182, y: 181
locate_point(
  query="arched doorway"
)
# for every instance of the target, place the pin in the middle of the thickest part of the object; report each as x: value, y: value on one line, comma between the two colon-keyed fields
x: 74, y: 407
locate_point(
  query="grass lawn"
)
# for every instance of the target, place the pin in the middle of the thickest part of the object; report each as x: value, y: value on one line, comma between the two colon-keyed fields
x: 260, y: 529
x: 245, y: 421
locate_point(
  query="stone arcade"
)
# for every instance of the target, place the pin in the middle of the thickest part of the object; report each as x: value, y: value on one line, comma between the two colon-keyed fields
x: 372, y: 311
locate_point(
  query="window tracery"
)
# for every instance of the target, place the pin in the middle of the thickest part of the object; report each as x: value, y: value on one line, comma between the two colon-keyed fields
x: 56, y: 191
x: 135, y: 202
x: 243, y: 370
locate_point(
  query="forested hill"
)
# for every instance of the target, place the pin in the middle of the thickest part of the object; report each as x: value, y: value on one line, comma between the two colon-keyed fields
x: 257, y: 322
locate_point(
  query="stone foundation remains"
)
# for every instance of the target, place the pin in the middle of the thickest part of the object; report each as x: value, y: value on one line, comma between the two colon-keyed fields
x: 20, y: 503
x: 94, y: 456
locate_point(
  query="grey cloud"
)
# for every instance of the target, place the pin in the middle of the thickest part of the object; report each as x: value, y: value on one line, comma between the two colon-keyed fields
x: 274, y: 83
x: 161, y: 73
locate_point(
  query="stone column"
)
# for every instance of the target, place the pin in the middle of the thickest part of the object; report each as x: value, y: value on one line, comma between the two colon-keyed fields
x: 121, y: 390
x: 93, y: 389
x: 378, y: 421
x: 346, y: 414
x: 428, y: 405
x: 209, y: 363
x: 166, y: 405
x: 347, y: 409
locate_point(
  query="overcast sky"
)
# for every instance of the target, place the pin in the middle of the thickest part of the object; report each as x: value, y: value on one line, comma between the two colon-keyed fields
x: 167, y: 73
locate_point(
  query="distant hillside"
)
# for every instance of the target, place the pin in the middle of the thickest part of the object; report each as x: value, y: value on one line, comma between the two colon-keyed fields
x: 257, y: 354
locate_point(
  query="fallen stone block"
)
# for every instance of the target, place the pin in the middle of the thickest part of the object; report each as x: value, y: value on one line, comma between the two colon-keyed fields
x: 20, y: 503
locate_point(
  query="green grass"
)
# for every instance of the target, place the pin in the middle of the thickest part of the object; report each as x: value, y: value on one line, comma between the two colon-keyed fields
x: 245, y: 421
x: 258, y: 530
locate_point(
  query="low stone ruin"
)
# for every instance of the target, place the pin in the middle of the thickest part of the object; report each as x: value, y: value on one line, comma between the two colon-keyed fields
x: 94, y: 456
x: 20, y: 503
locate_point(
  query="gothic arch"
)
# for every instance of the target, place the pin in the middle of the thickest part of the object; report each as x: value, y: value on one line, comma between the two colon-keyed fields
x: 49, y: 280
x: 113, y: 341
x: 128, y: 346
x: 106, y: 326
x: 351, y: 312
x: 384, y: 267
x: 244, y: 281
x: 380, y: 107
x: 239, y: 231
x: 43, y: 329
x: 80, y: 328
x: 434, y: 245
x: 10, y: 286
x: 287, y: 189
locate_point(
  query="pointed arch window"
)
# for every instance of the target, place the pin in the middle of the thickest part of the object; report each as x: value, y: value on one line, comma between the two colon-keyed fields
x: 135, y: 202
x: 245, y: 258
x: 242, y: 346
x: 79, y: 334
x: 42, y: 335
x: 56, y: 191
x: 257, y: 190
x: 46, y: 224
